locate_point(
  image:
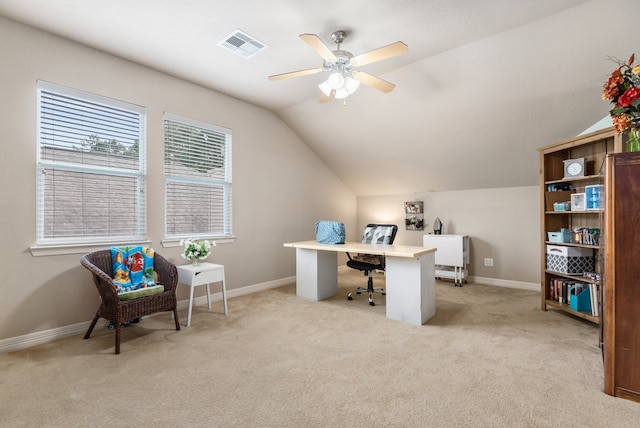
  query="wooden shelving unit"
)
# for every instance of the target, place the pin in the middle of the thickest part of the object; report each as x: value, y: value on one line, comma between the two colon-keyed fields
x: 593, y: 147
x: 616, y: 254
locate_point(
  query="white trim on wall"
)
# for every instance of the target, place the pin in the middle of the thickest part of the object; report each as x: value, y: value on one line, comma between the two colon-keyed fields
x: 46, y: 336
x: 531, y: 286
x: 51, y: 335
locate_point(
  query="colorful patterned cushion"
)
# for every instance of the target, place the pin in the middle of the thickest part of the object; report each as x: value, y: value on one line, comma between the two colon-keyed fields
x: 132, y: 268
x: 119, y: 261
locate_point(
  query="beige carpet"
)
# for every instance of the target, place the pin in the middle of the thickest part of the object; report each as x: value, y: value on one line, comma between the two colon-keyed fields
x: 489, y: 358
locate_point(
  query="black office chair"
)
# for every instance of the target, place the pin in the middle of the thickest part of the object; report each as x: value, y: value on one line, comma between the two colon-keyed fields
x: 367, y: 263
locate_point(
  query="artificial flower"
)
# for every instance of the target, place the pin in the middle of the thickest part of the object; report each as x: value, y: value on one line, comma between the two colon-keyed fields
x: 623, y: 90
x: 194, y: 249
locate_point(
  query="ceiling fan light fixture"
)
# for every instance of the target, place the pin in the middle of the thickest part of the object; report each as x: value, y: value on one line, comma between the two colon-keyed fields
x: 325, y: 88
x: 340, y: 85
x: 350, y: 86
x: 336, y: 81
x: 341, y: 93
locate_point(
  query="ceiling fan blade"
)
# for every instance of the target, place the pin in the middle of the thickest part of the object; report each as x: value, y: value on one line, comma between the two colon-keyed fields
x: 295, y: 74
x: 318, y: 45
x: 373, y: 81
x: 385, y: 52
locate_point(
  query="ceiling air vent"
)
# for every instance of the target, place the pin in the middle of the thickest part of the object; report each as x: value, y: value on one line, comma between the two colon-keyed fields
x: 242, y: 44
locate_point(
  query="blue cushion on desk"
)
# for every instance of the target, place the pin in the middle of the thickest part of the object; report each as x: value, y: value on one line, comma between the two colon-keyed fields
x: 330, y: 232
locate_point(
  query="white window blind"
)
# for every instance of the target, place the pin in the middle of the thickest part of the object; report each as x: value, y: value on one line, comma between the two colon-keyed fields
x: 91, y: 168
x: 197, y: 162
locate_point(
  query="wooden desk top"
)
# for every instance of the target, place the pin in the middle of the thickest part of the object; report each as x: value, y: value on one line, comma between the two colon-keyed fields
x: 359, y: 247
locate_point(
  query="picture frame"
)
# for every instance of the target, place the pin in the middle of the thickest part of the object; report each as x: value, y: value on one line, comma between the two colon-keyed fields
x: 414, y: 215
x: 414, y: 207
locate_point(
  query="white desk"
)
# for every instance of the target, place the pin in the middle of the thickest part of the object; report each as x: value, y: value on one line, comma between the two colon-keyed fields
x: 410, y: 278
x: 206, y: 273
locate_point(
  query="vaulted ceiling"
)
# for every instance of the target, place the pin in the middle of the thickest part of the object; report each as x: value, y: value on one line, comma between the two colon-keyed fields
x: 485, y: 83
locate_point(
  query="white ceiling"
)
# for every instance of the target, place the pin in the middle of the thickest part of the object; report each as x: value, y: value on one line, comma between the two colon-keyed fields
x: 485, y: 82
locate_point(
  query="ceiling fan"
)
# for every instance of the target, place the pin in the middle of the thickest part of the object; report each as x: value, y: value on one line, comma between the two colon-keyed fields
x: 345, y: 77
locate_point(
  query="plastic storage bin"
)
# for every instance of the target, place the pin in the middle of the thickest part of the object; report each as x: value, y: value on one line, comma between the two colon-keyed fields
x: 594, y: 196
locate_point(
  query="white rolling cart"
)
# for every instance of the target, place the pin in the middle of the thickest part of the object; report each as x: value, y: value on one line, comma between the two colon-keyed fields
x: 452, y: 256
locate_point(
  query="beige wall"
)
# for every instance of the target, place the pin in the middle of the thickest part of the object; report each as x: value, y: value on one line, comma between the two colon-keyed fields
x: 280, y: 188
x: 503, y: 224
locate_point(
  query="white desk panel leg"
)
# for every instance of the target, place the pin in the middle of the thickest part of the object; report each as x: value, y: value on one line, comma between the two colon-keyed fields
x: 411, y: 288
x: 316, y: 274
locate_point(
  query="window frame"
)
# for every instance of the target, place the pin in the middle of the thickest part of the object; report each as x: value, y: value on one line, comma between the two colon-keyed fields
x: 46, y: 245
x: 226, y: 183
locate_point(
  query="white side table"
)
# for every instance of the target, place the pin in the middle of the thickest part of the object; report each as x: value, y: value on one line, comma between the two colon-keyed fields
x: 204, y: 274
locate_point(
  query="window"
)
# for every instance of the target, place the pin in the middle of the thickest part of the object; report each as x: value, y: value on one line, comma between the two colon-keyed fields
x: 197, y: 167
x: 91, y: 168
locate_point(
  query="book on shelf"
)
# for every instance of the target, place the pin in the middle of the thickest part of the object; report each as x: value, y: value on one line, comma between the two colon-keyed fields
x: 595, y: 299
x: 560, y: 187
x: 587, y: 236
x: 565, y: 290
x: 561, y: 289
x: 592, y: 276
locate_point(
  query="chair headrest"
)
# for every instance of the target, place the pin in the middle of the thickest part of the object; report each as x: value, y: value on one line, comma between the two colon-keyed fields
x: 379, y: 233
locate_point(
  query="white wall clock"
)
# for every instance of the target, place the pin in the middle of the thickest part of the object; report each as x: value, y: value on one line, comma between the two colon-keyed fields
x: 574, y: 168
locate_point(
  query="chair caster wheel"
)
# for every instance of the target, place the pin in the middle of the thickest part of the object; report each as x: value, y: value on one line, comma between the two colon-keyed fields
x: 372, y: 303
x: 358, y: 292
x: 349, y: 298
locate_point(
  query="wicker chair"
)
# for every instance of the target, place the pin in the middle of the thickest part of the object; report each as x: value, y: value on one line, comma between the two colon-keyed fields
x: 119, y: 312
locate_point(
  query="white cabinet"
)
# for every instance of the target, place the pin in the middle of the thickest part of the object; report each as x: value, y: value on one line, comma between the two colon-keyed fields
x: 452, y: 256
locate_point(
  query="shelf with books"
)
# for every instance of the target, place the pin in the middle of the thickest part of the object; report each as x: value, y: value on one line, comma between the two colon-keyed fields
x: 576, y: 294
x: 568, y: 215
x: 580, y: 314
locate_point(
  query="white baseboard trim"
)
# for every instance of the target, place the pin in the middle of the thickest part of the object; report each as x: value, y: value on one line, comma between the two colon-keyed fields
x: 38, y: 338
x: 236, y: 292
x: 531, y: 286
x: 46, y: 336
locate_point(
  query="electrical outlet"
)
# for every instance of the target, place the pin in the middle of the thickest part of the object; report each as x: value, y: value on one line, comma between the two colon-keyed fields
x: 488, y: 262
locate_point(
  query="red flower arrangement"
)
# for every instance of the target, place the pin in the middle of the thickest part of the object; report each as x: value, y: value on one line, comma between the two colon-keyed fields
x: 623, y: 90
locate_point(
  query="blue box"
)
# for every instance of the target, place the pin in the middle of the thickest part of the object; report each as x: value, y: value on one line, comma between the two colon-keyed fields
x: 562, y: 236
x: 594, y: 196
x: 582, y: 301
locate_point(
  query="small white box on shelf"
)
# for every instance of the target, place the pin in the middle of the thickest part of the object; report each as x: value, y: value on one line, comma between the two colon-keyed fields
x: 578, y: 202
